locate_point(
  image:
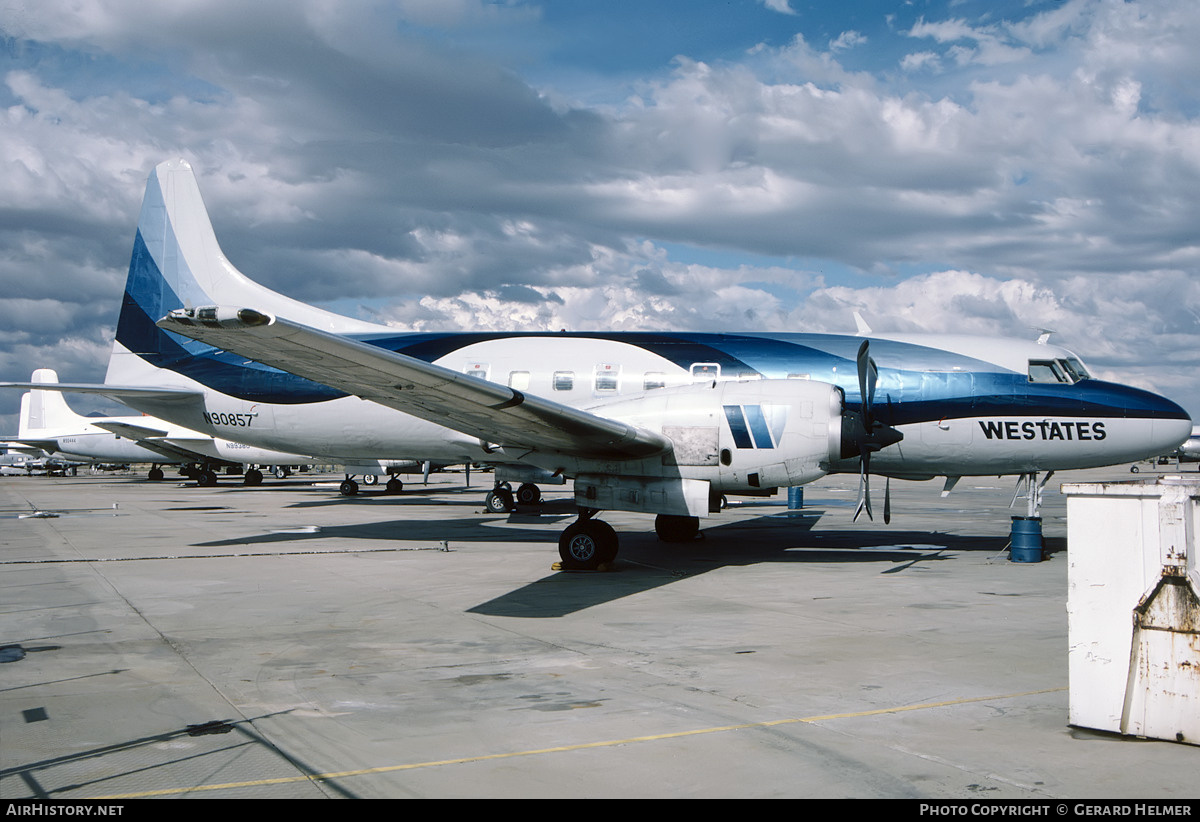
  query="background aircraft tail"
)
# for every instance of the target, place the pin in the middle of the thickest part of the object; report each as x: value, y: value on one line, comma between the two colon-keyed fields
x: 177, y: 263
x: 45, y: 410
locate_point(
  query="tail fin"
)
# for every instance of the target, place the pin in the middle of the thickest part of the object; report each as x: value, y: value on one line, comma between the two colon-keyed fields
x: 43, y: 410
x: 177, y: 262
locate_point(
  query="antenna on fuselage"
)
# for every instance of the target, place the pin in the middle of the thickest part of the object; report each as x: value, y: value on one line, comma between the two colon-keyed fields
x: 1043, y: 334
x: 861, y: 325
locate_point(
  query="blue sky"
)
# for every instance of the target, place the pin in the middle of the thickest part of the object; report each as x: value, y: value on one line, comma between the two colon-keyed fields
x: 966, y: 167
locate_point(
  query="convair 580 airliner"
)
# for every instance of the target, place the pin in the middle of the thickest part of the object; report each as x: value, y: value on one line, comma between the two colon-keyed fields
x: 658, y: 422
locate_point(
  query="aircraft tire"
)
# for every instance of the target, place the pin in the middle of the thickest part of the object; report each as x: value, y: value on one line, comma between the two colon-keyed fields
x: 348, y: 488
x: 155, y: 475
x: 394, y: 486
x: 206, y: 478
x: 498, y: 501
x: 280, y: 472
x: 370, y: 479
x: 252, y: 478
x: 587, y: 544
x: 674, y: 528
x: 528, y: 494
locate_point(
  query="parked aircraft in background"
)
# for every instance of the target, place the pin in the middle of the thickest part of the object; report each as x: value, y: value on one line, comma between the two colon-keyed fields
x: 48, y: 423
x: 1190, y: 450
x: 656, y: 422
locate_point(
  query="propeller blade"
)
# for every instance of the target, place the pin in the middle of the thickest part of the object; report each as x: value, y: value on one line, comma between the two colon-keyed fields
x: 867, y: 435
x: 864, y: 489
x: 868, y: 376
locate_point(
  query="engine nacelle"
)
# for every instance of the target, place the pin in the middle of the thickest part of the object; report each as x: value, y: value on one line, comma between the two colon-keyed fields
x: 738, y: 436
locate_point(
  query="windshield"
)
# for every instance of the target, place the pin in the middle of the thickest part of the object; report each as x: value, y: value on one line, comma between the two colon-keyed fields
x: 1069, y: 370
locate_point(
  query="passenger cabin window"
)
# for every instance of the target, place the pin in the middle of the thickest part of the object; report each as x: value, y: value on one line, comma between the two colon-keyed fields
x: 606, y: 377
x: 564, y: 380
x: 749, y: 375
x: 477, y: 369
x: 518, y: 380
x: 705, y: 371
x: 654, y: 379
x: 799, y: 376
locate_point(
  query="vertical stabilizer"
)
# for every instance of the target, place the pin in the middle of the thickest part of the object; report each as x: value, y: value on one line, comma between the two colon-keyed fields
x: 45, y: 410
x: 176, y: 263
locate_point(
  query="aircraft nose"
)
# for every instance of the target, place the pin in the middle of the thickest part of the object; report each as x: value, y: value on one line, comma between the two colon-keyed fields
x: 1172, y: 433
x: 1170, y: 424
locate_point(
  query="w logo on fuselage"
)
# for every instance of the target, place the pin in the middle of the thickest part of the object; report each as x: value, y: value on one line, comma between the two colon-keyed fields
x: 756, y: 426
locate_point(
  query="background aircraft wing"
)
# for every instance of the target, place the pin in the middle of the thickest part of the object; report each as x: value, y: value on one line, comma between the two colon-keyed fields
x: 116, y: 392
x: 152, y: 439
x: 130, y: 432
x: 500, y: 416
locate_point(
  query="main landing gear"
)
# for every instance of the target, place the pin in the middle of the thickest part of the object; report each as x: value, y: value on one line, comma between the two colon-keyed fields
x: 587, y: 543
x: 205, y: 477
x: 502, y: 500
x: 349, y: 487
x: 673, y: 528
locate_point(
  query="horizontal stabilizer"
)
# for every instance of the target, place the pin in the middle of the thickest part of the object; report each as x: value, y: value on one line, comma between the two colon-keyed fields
x: 49, y: 446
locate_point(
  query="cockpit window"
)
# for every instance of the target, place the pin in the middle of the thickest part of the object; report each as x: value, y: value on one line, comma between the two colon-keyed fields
x: 1068, y: 371
x: 1076, y: 369
x: 1046, y: 371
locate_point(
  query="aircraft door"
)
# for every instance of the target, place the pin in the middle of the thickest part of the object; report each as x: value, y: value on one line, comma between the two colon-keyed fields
x: 948, y: 431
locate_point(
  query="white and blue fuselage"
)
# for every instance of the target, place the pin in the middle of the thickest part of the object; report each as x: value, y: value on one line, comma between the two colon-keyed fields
x: 965, y: 405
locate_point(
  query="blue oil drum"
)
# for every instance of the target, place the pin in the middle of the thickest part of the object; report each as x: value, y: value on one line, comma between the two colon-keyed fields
x: 795, y: 497
x: 1026, y: 540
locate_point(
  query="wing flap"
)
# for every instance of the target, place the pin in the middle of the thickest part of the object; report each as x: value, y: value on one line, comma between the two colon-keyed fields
x: 495, y: 413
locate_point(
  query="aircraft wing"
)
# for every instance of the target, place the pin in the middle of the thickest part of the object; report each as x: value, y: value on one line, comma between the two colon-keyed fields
x: 152, y: 439
x: 500, y: 416
x: 116, y: 392
x: 130, y: 432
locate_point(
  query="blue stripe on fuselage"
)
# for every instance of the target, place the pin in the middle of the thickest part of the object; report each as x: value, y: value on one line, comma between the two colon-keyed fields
x: 149, y: 298
x: 936, y: 384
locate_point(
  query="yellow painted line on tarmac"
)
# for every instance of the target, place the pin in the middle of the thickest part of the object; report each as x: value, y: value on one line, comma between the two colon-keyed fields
x: 583, y: 746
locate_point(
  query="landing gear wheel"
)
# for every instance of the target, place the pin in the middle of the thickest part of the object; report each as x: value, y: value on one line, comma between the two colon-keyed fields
x: 206, y: 478
x: 587, y: 544
x: 280, y: 472
x: 394, y: 486
x: 253, y: 477
x: 370, y: 479
x: 1133, y: 469
x: 155, y: 474
x: 348, y: 488
x: 529, y: 494
x: 672, y: 528
x: 498, y: 501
